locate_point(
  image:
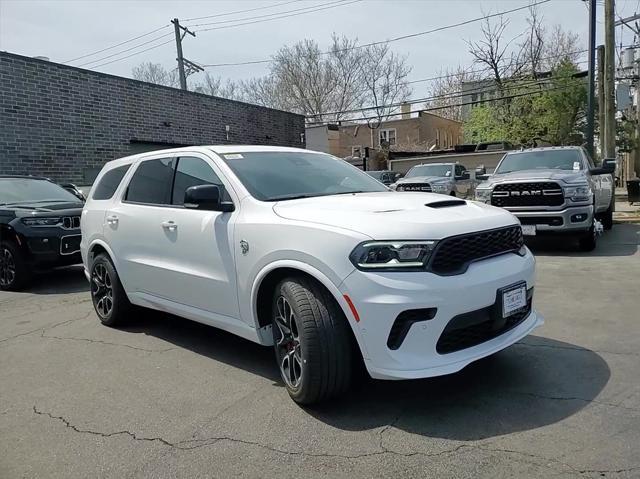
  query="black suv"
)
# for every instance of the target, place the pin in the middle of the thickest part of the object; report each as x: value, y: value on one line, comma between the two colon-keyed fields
x: 39, y: 228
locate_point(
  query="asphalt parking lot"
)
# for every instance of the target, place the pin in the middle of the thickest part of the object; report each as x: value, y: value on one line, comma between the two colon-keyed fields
x: 170, y: 398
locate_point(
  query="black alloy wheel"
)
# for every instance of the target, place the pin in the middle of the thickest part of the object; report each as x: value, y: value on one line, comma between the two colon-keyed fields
x: 7, y: 268
x: 101, y: 290
x: 288, y: 348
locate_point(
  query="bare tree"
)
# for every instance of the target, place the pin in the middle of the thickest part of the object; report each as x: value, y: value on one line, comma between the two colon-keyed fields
x: 155, y: 73
x: 447, y: 92
x: 383, y: 74
x: 559, y: 47
x: 215, y: 86
x: 533, y: 46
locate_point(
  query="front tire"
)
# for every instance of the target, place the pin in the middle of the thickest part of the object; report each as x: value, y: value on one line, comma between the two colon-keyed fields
x: 14, y: 271
x: 107, y: 294
x: 607, y: 218
x: 588, y: 241
x: 311, y: 341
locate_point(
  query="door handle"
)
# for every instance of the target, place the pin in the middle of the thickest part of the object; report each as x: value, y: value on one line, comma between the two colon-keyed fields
x: 112, y: 220
x: 169, y: 225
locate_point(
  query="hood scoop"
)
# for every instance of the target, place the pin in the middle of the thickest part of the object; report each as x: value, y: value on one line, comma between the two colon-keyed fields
x: 446, y: 203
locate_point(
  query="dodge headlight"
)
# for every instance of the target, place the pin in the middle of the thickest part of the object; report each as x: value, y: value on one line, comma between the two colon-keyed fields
x: 436, y: 188
x: 483, y: 195
x: 392, y: 255
x: 578, y: 193
x: 49, y: 221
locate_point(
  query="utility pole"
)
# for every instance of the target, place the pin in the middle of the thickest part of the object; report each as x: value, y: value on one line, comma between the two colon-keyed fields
x: 181, y: 60
x: 601, y: 107
x: 591, y: 77
x: 609, y: 80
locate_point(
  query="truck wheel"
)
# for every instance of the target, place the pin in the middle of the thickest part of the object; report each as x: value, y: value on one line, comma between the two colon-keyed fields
x: 311, y: 341
x: 107, y: 294
x: 587, y: 241
x: 14, y: 271
x: 607, y: 218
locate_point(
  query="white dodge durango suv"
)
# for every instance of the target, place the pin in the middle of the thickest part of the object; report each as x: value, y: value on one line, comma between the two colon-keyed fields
x: 300, y: 250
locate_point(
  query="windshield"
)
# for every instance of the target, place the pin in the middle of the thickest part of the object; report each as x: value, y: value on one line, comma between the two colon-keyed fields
x: 275, y: 175
x: 429, y: 170
x: 27, y: 190
x: 541, y: 160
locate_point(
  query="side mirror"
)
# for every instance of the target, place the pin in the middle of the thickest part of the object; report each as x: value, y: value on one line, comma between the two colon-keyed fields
x: 397, y: 176
x: 609, y: 164
x: 206, y: 197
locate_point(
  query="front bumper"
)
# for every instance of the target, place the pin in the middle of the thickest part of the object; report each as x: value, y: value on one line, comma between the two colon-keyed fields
x: 380, y: 297
x: 569, y: 225
x: 49, y: 247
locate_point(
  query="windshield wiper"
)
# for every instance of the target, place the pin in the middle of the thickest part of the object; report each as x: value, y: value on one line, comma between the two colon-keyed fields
x: 291, y: 197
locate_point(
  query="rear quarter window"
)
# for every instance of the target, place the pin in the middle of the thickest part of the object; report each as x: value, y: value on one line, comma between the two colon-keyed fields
x: 109, y: 183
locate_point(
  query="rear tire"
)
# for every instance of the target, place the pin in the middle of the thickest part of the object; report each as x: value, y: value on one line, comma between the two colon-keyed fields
x: 107, y: 294
x: 311, y: 340
x: 14, y: 271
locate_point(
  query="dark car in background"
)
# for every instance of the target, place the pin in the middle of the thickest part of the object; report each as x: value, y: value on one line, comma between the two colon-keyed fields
x: 39, y: 228
x: 386, y: 177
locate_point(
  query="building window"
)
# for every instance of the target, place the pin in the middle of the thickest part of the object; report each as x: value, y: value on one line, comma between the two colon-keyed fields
x: 437, y: 137
x: 388, y: 135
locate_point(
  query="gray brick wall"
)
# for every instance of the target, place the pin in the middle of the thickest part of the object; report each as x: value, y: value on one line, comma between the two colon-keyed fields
x: 64, y: 122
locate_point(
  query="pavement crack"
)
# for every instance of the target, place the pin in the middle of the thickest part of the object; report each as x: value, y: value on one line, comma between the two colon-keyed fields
x: 99, y: 341
x: 576, y: 398
x: 133, y: 435
x: 47, y: 328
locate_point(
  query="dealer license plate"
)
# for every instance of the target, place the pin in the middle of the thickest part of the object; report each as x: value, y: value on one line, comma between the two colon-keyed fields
x: 513, y: 300
x: 529, y: 230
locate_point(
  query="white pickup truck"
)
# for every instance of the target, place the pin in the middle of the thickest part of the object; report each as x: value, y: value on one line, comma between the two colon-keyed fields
x: 554, y: 190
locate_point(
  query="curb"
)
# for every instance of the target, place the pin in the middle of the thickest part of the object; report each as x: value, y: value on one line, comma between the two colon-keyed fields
x: 627, y: 219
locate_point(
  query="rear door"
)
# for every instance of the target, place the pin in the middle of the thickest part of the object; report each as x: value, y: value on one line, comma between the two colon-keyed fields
x: 133, y: 227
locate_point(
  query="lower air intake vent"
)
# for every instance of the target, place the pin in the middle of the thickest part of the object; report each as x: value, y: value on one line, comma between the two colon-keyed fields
x: 403, y: 323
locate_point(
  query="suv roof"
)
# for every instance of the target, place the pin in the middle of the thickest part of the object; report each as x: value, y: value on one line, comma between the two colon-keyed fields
x: 27, y: 177
x: 545, y: 148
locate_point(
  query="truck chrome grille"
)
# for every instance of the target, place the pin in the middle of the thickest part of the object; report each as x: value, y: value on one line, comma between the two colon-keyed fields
x: 415, y: 187
x: 527, y: 194
x: 454, y: 255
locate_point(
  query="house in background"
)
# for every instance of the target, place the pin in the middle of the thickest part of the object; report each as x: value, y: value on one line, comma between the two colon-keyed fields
x: 419, y: 131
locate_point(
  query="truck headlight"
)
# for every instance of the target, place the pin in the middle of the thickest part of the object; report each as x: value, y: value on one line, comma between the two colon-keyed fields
x: 483, y: 194
x: 48, y: 221
x: 436, y: 188
x: 578, y: 193
x: 392, y: 255
x: 399, y: 188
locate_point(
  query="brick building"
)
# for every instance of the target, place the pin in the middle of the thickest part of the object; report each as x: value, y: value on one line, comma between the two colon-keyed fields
x: 65, y: 122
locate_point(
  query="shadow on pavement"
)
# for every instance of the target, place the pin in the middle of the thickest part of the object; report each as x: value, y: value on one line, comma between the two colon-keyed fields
x: 70, y: 279
x: 534, y: 383
x: 622, y: 240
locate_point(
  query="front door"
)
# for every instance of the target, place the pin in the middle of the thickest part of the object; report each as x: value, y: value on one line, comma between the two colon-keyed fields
x: 198, y: 244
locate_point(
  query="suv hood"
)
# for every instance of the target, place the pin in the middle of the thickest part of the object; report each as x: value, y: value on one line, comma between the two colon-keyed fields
x: 565, y: 176
x: 44, y: 209
x: 396, y: 215
x: 424, y: 179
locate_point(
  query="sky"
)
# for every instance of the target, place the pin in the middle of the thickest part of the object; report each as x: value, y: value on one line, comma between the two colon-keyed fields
x: 66, y: 29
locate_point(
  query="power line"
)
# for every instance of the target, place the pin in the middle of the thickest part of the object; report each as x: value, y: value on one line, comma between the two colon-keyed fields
x: 403, y: 37
x: 133, y: 54
x: 426, y: 110
x: 117, y: 45
x: 243, y: 11
x: 325, y: 7
x: 127, y: 50
x: 302, y: 9
x: 524, y: 83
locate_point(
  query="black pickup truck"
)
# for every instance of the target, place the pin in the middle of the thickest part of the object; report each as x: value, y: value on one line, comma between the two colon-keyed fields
x: 39, y: 228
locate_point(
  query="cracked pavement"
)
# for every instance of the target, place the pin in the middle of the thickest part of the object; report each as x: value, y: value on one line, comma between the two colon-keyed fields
x: 166, y: 397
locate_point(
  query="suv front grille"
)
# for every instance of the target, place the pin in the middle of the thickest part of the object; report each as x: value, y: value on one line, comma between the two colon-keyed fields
x: 415, y: 187
x: 476, y: 327
x: 527, y: 194
x: 71, y: 222
x: 453, y: 255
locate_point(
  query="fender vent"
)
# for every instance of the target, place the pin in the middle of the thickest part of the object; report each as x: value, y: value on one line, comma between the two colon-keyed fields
x: 446, y: 203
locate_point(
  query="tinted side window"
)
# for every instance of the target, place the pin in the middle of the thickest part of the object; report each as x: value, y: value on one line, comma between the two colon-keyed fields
x: 192, y: 172
x: 151, y: 182
x: 109, y: 183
